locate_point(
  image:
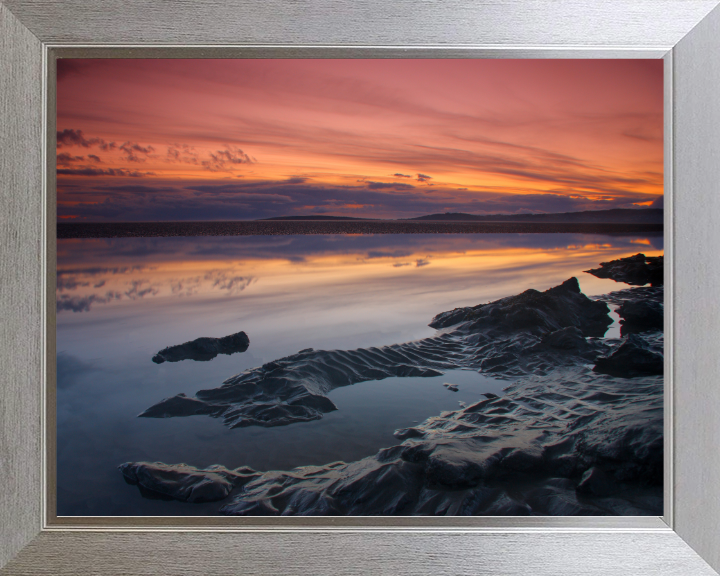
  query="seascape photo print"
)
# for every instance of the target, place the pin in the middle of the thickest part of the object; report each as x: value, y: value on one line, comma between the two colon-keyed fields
x: 359, y: 287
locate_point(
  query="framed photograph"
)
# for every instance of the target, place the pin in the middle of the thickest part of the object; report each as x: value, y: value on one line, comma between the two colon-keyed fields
x: 280, y: 254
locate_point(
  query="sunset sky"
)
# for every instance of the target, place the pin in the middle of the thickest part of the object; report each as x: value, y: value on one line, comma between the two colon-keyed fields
x: 149, y: 140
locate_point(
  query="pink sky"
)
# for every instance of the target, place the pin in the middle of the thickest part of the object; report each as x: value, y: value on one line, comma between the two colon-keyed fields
x: 244, y: 139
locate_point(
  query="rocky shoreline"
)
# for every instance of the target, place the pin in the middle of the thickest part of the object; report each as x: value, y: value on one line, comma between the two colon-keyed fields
x: 578, y: 430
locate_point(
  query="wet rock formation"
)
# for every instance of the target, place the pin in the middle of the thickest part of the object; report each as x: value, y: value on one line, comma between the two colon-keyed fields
x: 565, y: 438
x: 183, y: 482
x: 635, y: 357
x: 203, y: 349
x: 641, y: 316
x: 569, y: 443
x: 533, y: 332
x: 538, y: 313
x: 640, y: 309
x: 635, y: 270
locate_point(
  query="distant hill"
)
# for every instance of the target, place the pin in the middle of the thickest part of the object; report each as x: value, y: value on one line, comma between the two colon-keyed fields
x: 616, y: 215
x: 313, y: 217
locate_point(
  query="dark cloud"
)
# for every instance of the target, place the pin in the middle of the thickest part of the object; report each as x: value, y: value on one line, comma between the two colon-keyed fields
x: 389, y: 185
x: 423, y: 177
x: 96, y: 271
x: 134, y: 152
x: 223, y: 160
x: 156, y: 201
x: 401, y: 264
x: 659, y: 202
x: 422, y: 262
x: 94, y: 158
x: 135, y: 190
x: 65, y: 159
x: 402, y: 175
x: 87, y: 171
x: 70, y: 137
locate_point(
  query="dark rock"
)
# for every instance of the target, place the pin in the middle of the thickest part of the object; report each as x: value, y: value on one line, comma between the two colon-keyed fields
x: 404, y: 433
x: 640, y: 316
x: 642, y: 294
x: 181, y: 405
x: 183, y: 482
x: 203, y: 349
x: 570, y: 338
x: 595, y: 482
x: 537, y: 312
x: 633, y: 358
x: 635, y: 270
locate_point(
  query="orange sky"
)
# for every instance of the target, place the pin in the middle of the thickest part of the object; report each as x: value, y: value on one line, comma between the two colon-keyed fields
x: 246, y: 139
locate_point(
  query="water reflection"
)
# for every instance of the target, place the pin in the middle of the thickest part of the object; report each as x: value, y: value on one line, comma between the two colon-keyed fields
x: 121, y: 300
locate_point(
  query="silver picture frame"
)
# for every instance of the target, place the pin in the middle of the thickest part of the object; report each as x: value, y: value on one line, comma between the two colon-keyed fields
x: 685, y: 33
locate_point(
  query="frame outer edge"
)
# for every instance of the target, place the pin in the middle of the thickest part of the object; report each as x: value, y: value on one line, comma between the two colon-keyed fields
x: 370, y: 22
x: 21, y: 283
x: 20, y: 300
x: 397, y: 554
x: 697, y: 274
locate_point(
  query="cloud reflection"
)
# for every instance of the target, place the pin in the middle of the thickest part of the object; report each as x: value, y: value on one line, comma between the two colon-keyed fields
x: 209, y: 268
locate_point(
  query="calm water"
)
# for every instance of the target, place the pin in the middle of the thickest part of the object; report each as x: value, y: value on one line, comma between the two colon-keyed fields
x: 122, y: 300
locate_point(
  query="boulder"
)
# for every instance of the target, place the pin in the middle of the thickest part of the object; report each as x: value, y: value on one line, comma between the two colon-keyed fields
x: 203, y: 349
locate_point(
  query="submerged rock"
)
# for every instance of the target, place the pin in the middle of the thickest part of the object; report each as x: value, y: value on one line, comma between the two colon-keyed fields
x: 635, y: 270
x: 203, y: 349
x: 533, y: 332
x: 633, y: 358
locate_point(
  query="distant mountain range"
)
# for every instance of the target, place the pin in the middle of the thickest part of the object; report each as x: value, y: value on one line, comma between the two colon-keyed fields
x: 615, y: 216
x: 314, y: 217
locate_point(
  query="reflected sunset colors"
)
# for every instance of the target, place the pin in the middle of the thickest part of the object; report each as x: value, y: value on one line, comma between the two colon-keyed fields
x: 325, y: 287
x: 122, y: 300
